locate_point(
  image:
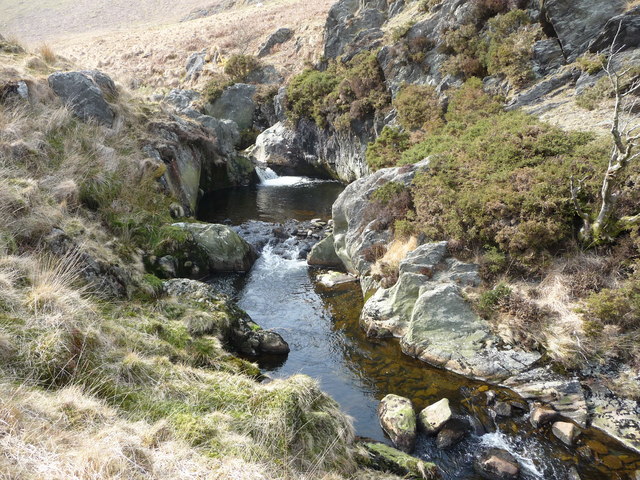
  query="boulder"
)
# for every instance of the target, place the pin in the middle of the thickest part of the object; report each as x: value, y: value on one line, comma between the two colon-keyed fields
x: 265, y: 75
x: 566, y: 432
x: 181, y: 99
x: 279, y: 36
x: 225, y: 250
x: 497, y: 464
x: 236, y: 103
x: 323, y: 254
x: 84, y: 92
x: 452, y: 433
x: 575, y: 22
x: 388, y: 459
x: 626, y: 27
x: 433, y: 418
x: 398, y: 420
x: 502, y: 410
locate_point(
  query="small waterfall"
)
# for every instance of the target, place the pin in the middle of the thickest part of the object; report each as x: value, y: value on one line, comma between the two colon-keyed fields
x: 265, y: 174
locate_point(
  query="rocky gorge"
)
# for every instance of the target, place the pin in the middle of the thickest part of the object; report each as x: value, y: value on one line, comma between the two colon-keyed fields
x: 134, y: 222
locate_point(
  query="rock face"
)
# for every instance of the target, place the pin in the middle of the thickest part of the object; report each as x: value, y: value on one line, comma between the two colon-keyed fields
x: 433, y: 418
x: 398, y: 420
x: 279, y: 36
x: 236, y: 328
x: 323, y: 254
x: 226, y: 251
x: 628, y: 36
x: 575, y: 22
x: 85, y: 94
x: 496, y: 464
x: 236, y: 103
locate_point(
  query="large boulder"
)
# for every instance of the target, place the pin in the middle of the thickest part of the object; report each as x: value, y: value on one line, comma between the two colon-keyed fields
x: 576, y: 21
x: 279, y: 36
x: 236, y: 103
x: 86, y: 93
x: 497, y: 464
x: 225, y: 250
x: 398, y: 420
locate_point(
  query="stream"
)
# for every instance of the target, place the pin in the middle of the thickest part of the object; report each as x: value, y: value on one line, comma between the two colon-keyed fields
x: 321, y: 327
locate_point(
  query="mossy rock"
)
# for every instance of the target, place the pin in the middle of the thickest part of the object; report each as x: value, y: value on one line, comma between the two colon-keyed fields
x: 388, y: 459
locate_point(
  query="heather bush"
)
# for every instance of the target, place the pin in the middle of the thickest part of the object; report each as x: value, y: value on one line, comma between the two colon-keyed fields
x: 418, y: 107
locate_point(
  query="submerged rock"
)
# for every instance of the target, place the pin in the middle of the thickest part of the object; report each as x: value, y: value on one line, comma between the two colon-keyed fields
x: 432, y: 418
x: 388, y: 459
x: 398, y: 420
x: 225, y: 250
x: 497, y: 464
x: 333, y: 279
x: 85, y: 93
x: 452, y: 433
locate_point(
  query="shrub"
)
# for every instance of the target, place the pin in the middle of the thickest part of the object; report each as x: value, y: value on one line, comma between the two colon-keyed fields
x: 389, y: 204
x: 591, y: 63
x: 418, y: 107
x: 306, y: 93
x: 387, y: 148
x: 238, y: 67
x: 491, y: 300
x: 619, y: 307
x: 214, y: 87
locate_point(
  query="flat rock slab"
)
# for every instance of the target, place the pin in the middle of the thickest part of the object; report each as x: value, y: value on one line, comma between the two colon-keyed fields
x: 335, y: 279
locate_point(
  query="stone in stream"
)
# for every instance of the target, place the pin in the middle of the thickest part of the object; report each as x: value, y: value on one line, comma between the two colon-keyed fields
x: 432, y: 418
x: 542, y: 415
x: 452, y: 433
x: 333, y: 279
x: 573, y: 474
x: 323, y: 254
x: 388, y: 459
x: 497, y: 464
x: 566, y: 432
x: 503, y: 409
x: 398, y: 420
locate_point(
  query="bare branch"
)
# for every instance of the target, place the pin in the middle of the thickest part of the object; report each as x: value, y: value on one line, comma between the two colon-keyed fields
x: 575, y: 191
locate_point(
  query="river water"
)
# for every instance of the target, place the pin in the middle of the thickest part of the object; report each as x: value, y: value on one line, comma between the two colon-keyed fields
x: 321, y: 327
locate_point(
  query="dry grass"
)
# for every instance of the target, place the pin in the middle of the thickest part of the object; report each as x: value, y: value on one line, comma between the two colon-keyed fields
x: 47, y: 54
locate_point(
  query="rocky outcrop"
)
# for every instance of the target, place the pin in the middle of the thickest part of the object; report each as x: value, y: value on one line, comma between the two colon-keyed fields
x: 195, y: 65
x: 576, y: 22
x: 236, y: 103
x: 224, y: 249
x: 86, y: 94
x: 398, y: 420
x: 234, y: 326
x: 276, y: 38
x: 627, y: 29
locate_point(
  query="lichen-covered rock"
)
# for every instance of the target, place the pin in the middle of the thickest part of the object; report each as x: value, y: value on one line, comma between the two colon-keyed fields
x: 432, y: 418
x: 195, y: 65
x: 398, y: 420
x: 323, y: 254
x: 85, y: 94
x: 497, y: 464
x: 388, y: 459
x: 236, y: 103
x: 226, y: 251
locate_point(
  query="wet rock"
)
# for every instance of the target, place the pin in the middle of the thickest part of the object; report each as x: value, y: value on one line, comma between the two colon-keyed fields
x: 542, y: 415
x: 566, y: 432
x: 398, y: 420
x: 432, y: 418
x: 85, y: 94
x: 225, y: 250
x: 573, y: 474
x: 323, y: 254
x: 388, y: 459
x: 565, y: 395
x: 271, y: 343
x: 281, y: 35
x: 497, y: 464
x: 503, y: 409
x: 575, y: 22
x: 452, y: 433
x: 335, y: 279
x: 236, y: 103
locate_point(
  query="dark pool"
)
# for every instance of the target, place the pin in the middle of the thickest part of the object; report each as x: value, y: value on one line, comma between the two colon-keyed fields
x: 321, y: 327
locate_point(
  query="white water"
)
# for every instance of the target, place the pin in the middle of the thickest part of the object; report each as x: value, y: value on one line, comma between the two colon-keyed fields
x: 269, y: 178
x: 265, y: 174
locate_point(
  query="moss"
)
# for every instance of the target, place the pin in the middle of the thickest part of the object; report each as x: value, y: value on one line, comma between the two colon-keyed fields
x: 388, y: 459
